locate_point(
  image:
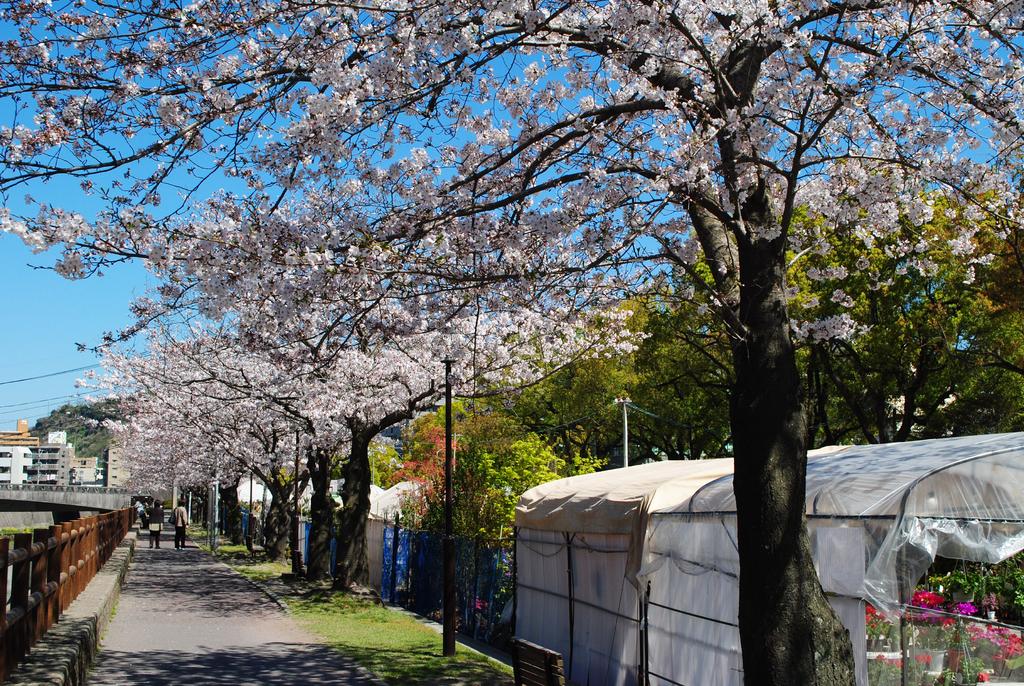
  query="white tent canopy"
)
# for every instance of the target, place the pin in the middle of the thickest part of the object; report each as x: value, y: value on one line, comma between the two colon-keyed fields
x: 611, y: 502
x: 878, y: 516
x: 385, y: 504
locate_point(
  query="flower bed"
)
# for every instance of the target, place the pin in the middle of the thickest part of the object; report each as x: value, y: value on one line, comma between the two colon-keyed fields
x: 946, y: 644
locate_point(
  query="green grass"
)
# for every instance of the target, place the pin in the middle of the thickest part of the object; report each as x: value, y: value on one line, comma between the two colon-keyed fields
x: 392, y: 645
x: 239, y: 558
x: 8, y: 531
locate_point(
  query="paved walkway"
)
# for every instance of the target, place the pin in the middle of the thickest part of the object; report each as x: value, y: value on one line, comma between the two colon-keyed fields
x: 184, y: 618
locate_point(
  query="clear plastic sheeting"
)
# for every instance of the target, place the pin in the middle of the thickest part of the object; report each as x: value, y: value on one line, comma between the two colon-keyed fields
x: 960, y: 498
x: 663, y: 608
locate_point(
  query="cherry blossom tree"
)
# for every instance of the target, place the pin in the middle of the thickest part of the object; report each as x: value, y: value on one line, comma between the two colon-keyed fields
x: 474, y: 156
x: 191, y: 429
x: 239, y: 401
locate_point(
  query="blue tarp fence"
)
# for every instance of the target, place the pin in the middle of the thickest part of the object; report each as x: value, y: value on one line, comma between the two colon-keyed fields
x: 412, y: 578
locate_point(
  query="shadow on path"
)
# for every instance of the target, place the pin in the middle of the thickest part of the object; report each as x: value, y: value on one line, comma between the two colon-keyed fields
x: 191, y: 581
x: 273, y: 663
x: 184, y: 618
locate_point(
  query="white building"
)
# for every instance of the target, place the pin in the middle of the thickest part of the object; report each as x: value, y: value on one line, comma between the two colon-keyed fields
x: 13, y: 459
x: 50, y: 464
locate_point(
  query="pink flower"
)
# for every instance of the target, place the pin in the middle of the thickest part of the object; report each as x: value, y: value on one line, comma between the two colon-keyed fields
x: 965, y: 609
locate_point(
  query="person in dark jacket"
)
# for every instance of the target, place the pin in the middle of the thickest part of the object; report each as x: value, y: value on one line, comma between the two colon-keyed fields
x: 156, y: 523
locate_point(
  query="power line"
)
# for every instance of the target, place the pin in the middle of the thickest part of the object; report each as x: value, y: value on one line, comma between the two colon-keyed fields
x: 34, y: 409
x: 43, y: 400
x: 636, y: 407
x: 46, y: 376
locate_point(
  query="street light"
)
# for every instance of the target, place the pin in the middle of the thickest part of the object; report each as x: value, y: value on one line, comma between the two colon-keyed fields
x: 213, y: 506
x: 296, y: 553
x: 250, y: 540
x: 624, y: 401
x: 448, y: 607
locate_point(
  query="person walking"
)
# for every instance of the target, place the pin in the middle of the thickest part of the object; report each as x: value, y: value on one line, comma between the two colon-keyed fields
x: 140, y: 508
x: 180, y: 517
x: 156, y: 523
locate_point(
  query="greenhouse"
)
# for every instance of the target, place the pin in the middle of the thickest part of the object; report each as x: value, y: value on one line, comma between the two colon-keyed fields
x: 633, y: 574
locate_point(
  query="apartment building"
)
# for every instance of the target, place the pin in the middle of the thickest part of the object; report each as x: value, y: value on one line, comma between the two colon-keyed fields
x: 26, y: 460
x: 85, y: 472
x: 19, y: 437
x: 113, y: 471
x: 13, y: 459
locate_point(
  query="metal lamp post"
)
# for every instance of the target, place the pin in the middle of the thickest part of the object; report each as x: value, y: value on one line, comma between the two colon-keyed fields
x: 625, y: 429
x: 448, y: 610
x: 214, y: 505
x: 296, y: 553
x: 250, y: 539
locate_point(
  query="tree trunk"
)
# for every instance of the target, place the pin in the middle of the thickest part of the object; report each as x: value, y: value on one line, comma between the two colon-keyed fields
x: 279, y: 517
x: 321, y: 515
x: 353, y: 565
x: 788, y: 631
x: 232, y: 511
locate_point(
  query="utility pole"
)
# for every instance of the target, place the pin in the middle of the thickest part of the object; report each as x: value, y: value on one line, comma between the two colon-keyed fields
x: 250, y: 539
x: 296, y: 553
x: 214, y: 505
x: 624, y: 401
x: 448, y: 608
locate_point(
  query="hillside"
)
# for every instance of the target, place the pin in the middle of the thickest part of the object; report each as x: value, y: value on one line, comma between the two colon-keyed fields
x: 82, y: 422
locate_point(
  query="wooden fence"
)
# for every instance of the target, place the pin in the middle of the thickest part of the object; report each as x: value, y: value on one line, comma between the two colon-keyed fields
x: 49, y: 568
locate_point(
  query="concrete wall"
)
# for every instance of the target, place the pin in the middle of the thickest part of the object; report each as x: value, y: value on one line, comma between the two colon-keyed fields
x: 25, y: 520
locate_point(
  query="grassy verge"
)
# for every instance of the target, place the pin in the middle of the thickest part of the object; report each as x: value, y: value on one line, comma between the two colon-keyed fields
x: 391, y: 645
x: 241, y: 560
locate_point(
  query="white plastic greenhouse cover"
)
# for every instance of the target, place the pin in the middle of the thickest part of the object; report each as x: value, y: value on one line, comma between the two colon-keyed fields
x: 609, y: 502
x: 960, y: 498
x: 878, y: 515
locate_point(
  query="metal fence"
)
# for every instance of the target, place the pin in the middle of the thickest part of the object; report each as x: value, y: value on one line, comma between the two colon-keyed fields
x: 411, y: 578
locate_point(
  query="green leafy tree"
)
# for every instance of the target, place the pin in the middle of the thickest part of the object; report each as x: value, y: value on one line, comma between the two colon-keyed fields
x: 683, y: 377
x: 910, y: 371
x: 385, y: 463
x: 495, y: 461
x: 83, y: 424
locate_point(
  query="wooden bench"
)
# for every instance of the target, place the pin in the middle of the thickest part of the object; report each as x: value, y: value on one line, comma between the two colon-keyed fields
x: 535, y: 665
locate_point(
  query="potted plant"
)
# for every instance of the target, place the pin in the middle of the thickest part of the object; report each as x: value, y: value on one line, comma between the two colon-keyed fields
x: 990, y: 603
x: 879, y: 630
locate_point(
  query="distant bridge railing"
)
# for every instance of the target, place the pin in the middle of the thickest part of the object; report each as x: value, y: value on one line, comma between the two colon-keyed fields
x: 39, y: 497
x: 49, y: 569
x: 47, y: 488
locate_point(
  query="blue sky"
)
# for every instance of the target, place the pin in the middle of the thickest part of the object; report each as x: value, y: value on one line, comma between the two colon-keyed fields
x: 46, y: 316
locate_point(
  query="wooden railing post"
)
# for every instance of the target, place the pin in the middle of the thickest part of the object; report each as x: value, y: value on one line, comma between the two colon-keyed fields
x: 5, y: 660
x: 66, y: 552
x: 90, y: 551
x: 39, y: 614
x: 81, y: 554
x: 20, y: 580
x: 75, y: 570
x: 53, y: 570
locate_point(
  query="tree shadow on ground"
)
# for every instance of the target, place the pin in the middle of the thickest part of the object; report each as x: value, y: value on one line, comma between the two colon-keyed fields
x: 175, y: 574
x: 421, y: 666
x: 287, y: 664
x: 402, y: 656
